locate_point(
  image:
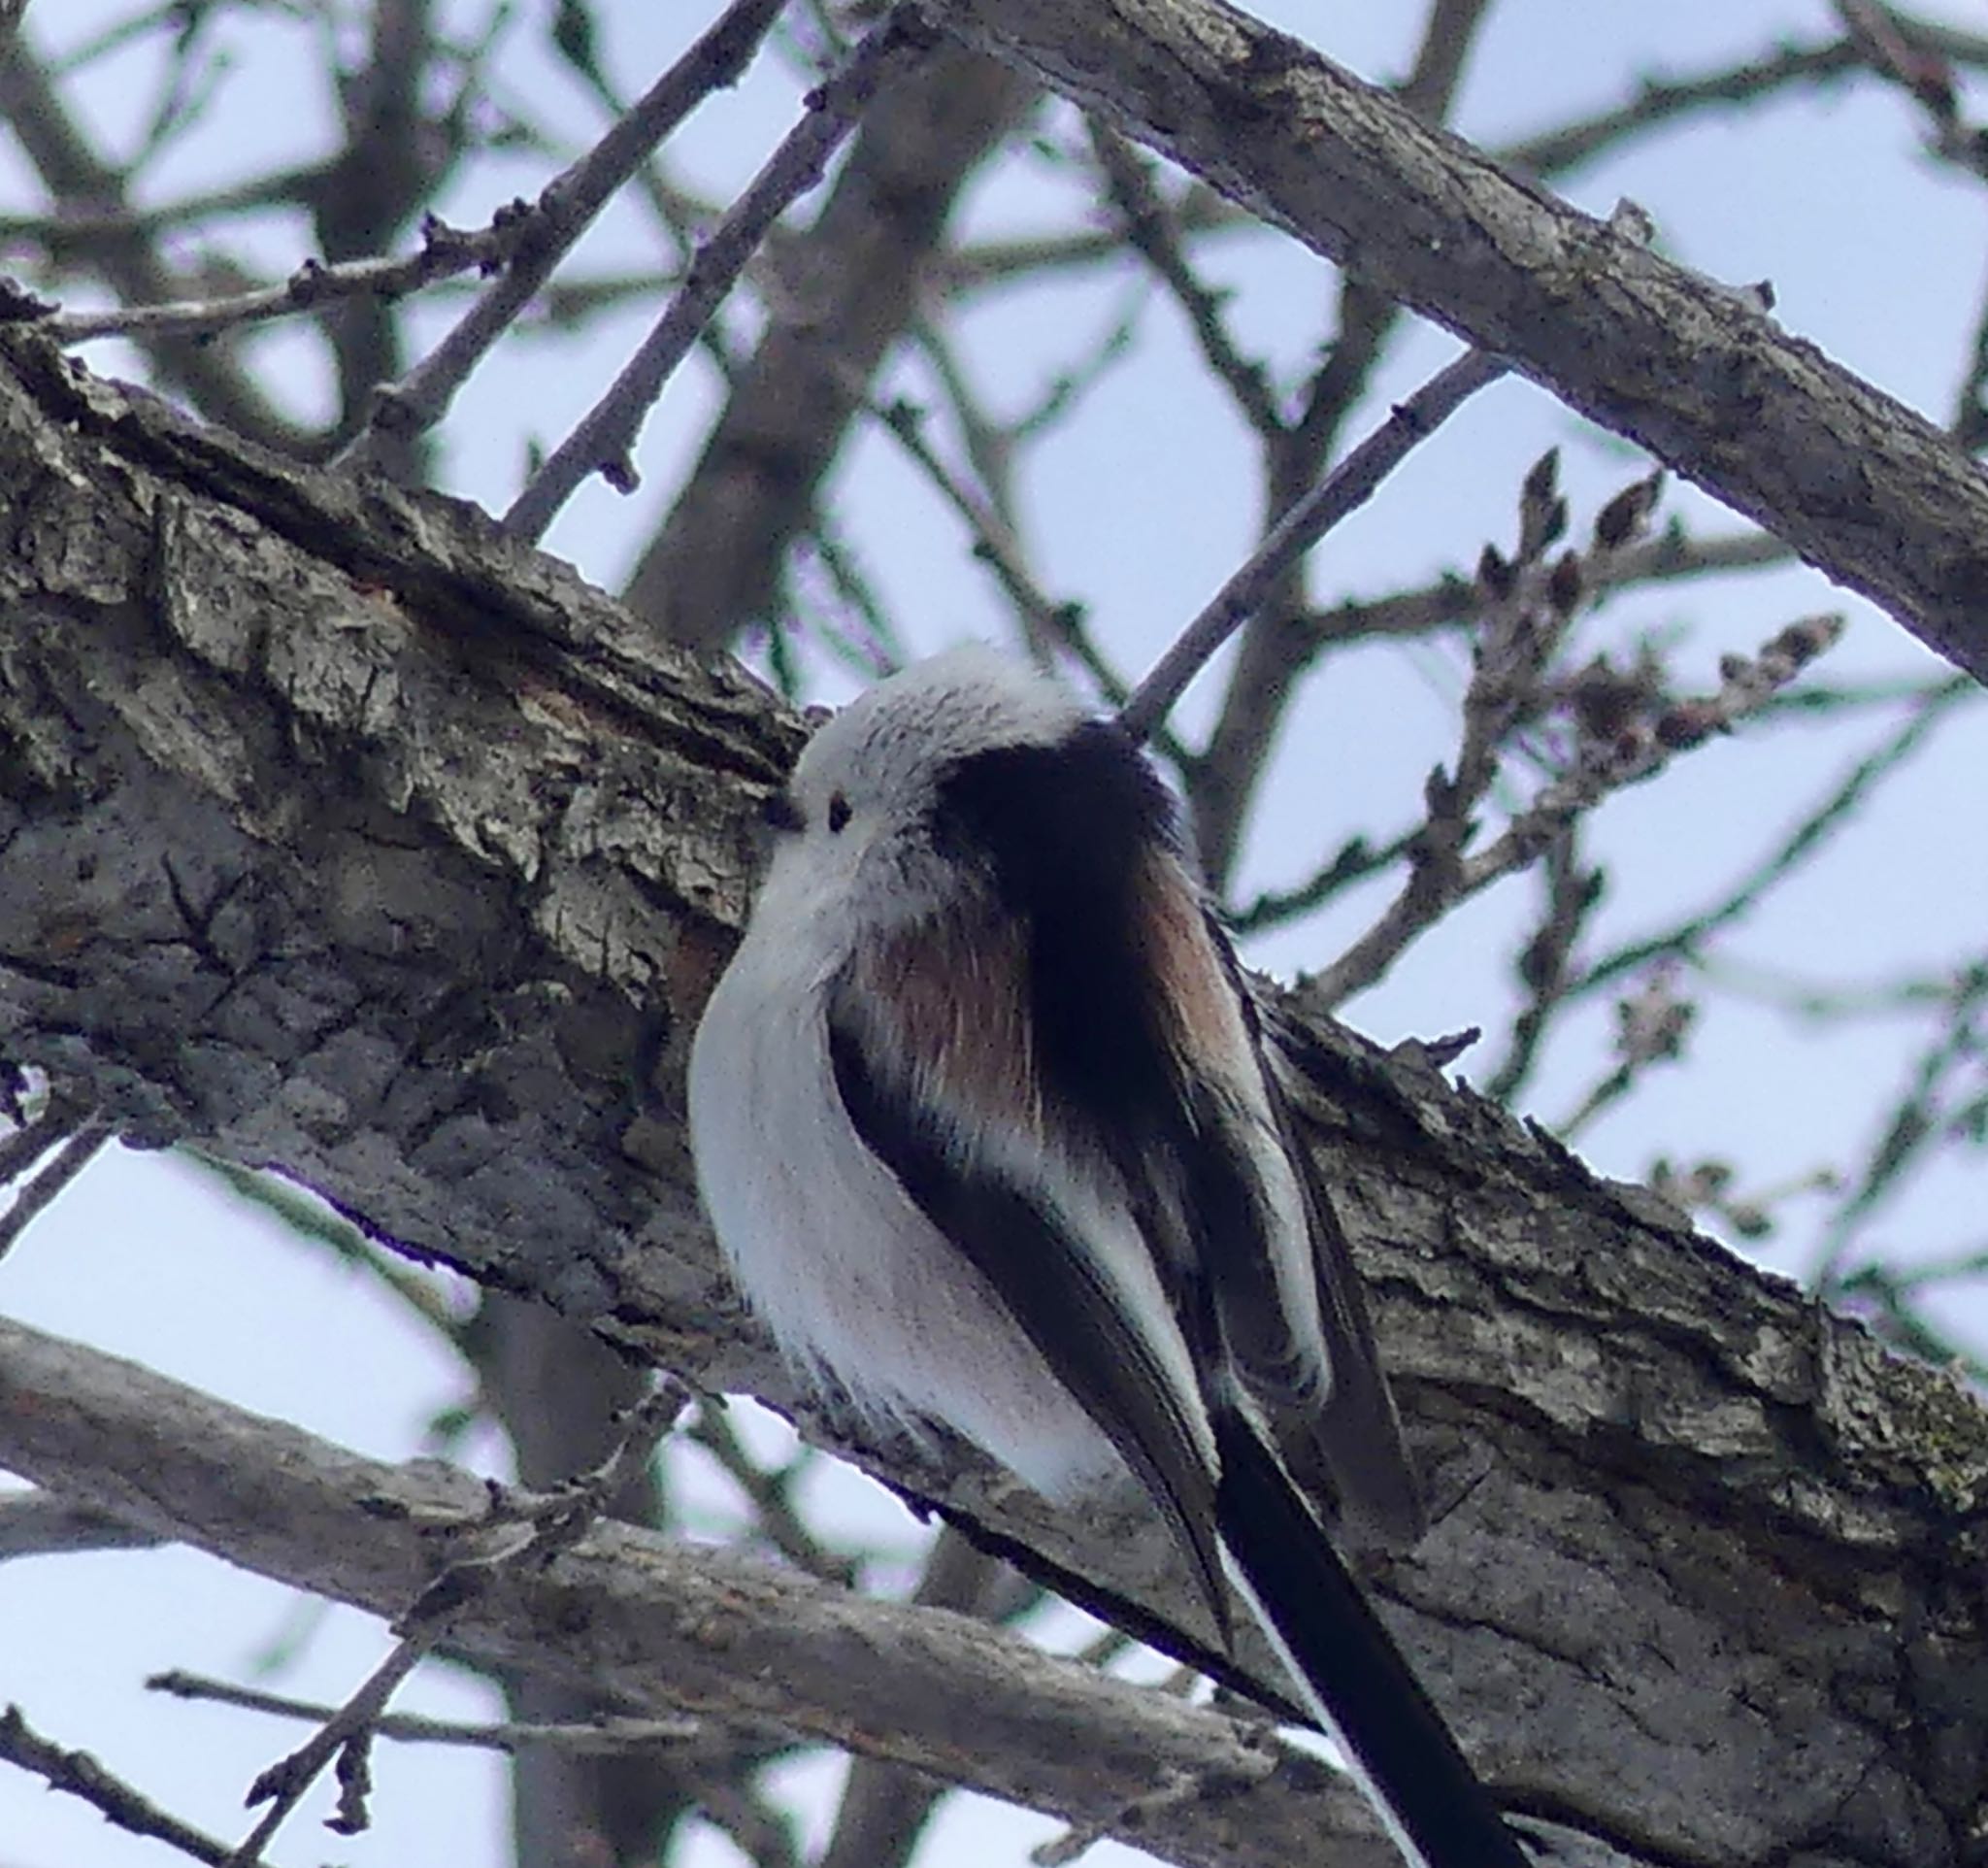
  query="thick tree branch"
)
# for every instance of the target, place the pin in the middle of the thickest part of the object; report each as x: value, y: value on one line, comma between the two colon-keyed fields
x: 661, y: 1627
x: 1864, y: 488
x: 339, y: 833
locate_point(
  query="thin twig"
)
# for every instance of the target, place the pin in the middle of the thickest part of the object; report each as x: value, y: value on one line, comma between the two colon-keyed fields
x: 1151, y: 232
x: 608, y: 1735
x: 75, y: 1151
x: 346, y: 1734
x: 1969, y: 424
x: 1638, y: 752
x: 1927, y: 77
x: 538, y: 1527
x: 565, y: 210
x: 445, y: 253
x: 604, y: 439
x: 1651, y: 1026
x: 1343, y: 492
x: 1658, y: 101
x: 27, y: 1144
x: 1454, y: 599
x: 93, y: 222
x: 990, y: 451
x: 1972, y: 1262
x: 61, y: 144
x: 995, y: 543
x: 775, y: 1515
x: 644, y: 1427
x: 988, y: 509
x: 1572, y: 894
x: 1352, y: 863
x: 79, y: 1775
x: 994, y: 539
x: 988, y: 266
x: 1803, y: 997
x: 1915, y: 1124
x: 1687, y: 937
x: 304, y: 1216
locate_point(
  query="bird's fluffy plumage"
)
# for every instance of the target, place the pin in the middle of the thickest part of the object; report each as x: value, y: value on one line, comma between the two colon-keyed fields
x: 984, y: 1123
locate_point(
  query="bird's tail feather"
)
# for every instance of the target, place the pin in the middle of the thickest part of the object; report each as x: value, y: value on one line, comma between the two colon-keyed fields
x: 1346, y: 1668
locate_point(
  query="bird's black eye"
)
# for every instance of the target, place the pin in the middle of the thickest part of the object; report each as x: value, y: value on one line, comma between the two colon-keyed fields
x: 780, y: 813
x: 838, y: 814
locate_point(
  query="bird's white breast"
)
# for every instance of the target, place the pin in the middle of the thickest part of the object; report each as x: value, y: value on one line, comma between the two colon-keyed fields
x: 854, y: 1282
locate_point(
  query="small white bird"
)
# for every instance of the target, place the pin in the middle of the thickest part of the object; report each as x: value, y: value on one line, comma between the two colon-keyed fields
x: 985, y: 1125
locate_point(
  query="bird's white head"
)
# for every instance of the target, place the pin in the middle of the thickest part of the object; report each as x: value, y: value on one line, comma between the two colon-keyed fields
x: 858, y: 816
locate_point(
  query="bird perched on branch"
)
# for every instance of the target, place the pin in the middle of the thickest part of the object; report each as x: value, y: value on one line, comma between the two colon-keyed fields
x: 985, y: 1124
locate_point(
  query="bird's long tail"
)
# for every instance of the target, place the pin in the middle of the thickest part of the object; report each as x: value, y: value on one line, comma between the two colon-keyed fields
x: 1346, y: 1668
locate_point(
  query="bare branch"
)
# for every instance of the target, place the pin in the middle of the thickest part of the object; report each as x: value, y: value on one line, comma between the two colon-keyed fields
x: 1862, y: 487
x: 777, y: 1520
x: 1441, y: 872
x: 346, y: 1736
x: 1671, y: 555
x: 1949, y: 1063
x: 1345, y: 490
x: 1690, y: 934
x: 79, y: 1775
x: 604, y: 439
x: 984, y: 266
x: 995, y: 543
x: 59, y: 234
x: 1270, y: 654
x: 836, y: 296
x: 1651, y: 1026
x: 1352, y: 863
x: 76, y: 1138
x: 566, y: 209
x: 1150, y: 228
x: 1923, y: 73
x: 519, y: 1530
x: 1571, y: 894
x: 1659, y: 101
x: 125, y: 257
x: 445, y: 253
x: 605, y: 1735
x: 666, y: 1627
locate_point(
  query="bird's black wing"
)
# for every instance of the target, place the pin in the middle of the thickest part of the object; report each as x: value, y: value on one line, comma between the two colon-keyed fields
x: 1049, y: 1283
x: 1344, y: 1444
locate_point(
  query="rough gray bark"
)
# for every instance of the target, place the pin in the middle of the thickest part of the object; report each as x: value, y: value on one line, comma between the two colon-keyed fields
x: 339, y: 834
x: 1864, y: 489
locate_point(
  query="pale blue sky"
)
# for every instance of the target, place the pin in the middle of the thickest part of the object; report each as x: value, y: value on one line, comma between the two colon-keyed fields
x: 1139, y: 509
